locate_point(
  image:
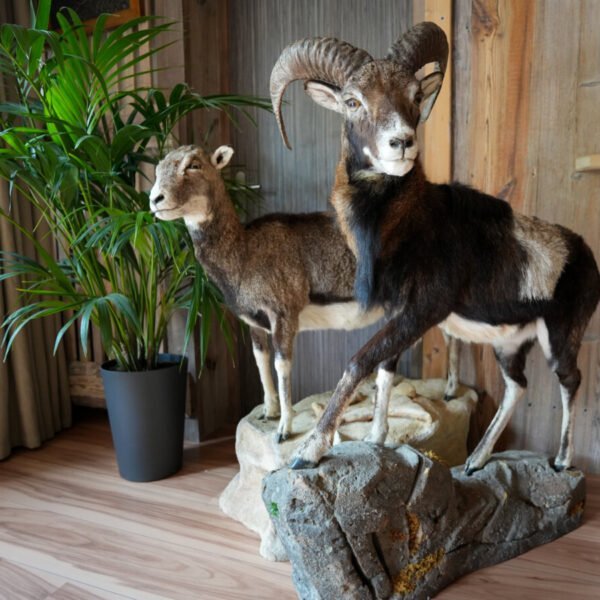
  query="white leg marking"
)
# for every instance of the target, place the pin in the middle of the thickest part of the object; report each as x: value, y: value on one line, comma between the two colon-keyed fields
x: 379, y: 429
x: 512, y: 394
x: 452, y: 381
x: 263, y: 362
x: 544, y: 340
x: 565, y: 454
x: 284, y: 368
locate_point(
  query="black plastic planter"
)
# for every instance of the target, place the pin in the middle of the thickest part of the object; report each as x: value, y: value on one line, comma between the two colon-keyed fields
x: 146, y: 410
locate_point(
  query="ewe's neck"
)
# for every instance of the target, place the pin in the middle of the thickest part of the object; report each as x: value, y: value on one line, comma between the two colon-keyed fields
x: 219, y: 235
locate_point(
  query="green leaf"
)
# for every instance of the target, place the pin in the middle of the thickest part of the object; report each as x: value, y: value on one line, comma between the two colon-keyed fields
x: 126, y: 140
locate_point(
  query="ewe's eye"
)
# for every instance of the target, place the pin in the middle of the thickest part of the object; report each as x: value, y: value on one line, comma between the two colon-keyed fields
x: 352, y: 103
x: 418, y: 98
x: 194, y: 166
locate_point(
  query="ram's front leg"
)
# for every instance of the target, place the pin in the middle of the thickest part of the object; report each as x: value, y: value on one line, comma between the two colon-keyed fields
x: 283, y: 343
x: 262, y: 356
x: 385, y: 380
x: 392, y: 340
x: 452, y: 378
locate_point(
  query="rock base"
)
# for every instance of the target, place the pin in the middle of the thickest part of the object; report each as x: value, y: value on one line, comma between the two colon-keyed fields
x: 373, y: 522
x: 417, y: 415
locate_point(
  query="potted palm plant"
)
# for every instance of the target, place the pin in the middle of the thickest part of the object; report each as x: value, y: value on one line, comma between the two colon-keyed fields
x: 74, y: 142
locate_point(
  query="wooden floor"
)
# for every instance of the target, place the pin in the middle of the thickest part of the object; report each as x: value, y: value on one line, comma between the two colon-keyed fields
x: 71, y: 529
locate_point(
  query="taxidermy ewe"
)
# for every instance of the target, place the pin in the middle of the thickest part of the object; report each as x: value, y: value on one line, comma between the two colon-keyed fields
x: 280, y: 273
x: 430, y: 254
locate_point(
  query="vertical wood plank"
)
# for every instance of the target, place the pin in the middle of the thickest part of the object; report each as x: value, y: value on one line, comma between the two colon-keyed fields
x: 437, y: 160
x: 203, y: 55
x: 493, y: 53
x: 207, y: 67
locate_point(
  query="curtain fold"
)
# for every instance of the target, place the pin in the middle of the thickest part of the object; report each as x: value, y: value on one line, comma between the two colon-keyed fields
x: 34, y: 385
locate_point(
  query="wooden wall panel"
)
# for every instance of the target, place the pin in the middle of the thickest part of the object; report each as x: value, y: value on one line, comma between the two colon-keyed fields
x: 527, y: 87
x: 199, y: 57
x: 301, y: 180
x: 436, y: 155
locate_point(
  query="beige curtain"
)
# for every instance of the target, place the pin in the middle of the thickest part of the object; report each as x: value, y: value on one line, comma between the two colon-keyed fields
x: 34, y: 384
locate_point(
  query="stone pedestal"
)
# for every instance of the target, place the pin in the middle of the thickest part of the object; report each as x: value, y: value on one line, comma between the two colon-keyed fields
x: 372, y: 522
x: 417, y: 415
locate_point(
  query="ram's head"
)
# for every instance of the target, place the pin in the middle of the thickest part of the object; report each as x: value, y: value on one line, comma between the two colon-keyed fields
x: 382, y: 101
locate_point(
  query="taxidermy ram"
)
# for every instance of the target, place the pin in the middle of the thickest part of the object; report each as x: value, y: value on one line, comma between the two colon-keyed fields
x: 430, y: 254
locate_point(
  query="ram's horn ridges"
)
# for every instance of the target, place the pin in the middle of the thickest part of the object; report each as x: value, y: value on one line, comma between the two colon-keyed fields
x: 322, y: 59
x: 424, y: 43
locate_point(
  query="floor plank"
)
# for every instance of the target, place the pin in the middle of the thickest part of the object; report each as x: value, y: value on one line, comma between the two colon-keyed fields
x: 71, y: 528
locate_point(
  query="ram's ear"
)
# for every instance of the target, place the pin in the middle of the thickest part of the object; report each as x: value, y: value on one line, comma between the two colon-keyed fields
x: 221, y: 156
x: 430, y: 88
x: 325, y: 95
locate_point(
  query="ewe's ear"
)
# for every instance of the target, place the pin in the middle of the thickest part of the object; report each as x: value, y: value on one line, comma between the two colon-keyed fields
x: 221, y: 156
x: 430, y: 88
x: 324, y: 95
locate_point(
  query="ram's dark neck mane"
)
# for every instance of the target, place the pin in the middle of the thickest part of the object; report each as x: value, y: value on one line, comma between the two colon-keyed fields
x: 371, y: 199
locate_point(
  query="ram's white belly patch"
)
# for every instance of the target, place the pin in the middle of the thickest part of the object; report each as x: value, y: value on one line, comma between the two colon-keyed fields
x: 508, y: 337
x: 341, y: 315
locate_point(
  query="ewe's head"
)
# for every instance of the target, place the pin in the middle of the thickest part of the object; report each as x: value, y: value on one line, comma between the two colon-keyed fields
x: 187, y: 180
x: 382, y: 101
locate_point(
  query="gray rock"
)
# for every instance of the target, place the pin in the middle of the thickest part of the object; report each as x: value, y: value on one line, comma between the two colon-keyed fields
x: 374, y: 522
x: 417, y: 415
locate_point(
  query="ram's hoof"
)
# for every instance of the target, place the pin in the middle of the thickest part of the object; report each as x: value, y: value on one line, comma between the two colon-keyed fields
x: 448, y: 397
x: 301, y: 463
x: 559, y: 468
x: 281, y: 437
x: 469, y: 470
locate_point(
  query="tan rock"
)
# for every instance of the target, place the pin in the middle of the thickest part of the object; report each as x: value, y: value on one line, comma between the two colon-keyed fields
x: 417, y: 415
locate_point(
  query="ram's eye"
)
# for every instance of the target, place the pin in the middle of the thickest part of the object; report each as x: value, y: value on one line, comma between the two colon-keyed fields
x: 418, y: 98
x: 194, y: 166
x: 352, y: 103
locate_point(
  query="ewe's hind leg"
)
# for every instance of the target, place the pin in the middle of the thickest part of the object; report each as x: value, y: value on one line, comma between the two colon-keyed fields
x: 452, y: 380
x: 262, y: 356
x: 513, y: 367
x: 385, y: 379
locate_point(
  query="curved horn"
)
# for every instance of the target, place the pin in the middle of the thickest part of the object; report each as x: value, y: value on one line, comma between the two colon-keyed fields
x: 420, y: 45
x: 323, y: 59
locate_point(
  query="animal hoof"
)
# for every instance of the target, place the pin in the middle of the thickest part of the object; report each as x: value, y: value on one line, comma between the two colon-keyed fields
x: 281, y: 437
x: 378, y: 441
x: 301, y: 463
x: 559, y: 468
x: 469, y: 469
x: 448, y: 397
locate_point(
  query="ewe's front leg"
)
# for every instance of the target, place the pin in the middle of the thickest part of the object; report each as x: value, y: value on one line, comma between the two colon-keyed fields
x: 452, y: 375
x: 283, y: 344
x: 391, y: 341
x: 262, y: 356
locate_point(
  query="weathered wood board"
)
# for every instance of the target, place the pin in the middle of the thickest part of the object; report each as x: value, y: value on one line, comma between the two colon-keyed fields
x: 526, y: 97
